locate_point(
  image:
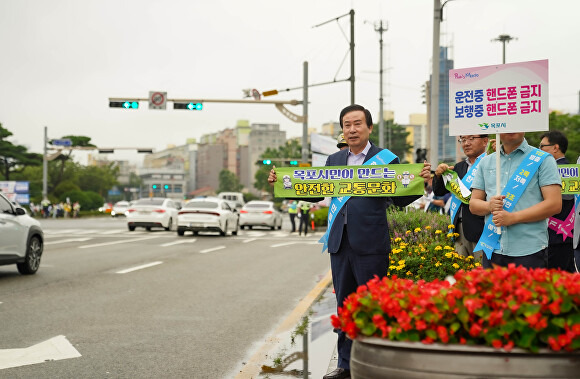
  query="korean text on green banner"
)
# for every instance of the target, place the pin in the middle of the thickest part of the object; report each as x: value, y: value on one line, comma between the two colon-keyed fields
x: 334, y: 181
x: 570, y: 178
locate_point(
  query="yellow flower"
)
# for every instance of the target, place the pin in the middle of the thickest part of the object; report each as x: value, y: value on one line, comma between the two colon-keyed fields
x: 455, y: 265
x: 456, y: 235
x: 399, y: 268
x: 438, y: 232
x: 417, y: 230
x: 423, y: 258
x: 438, y: 248
x: 402, y: 262
x: 438, y: 264
x: 469, y: 257
x: 456, y: 255
x: 392, y: 267
x: 409, y: 273
x: 408, y: 232
x: 398, y: 239
x: 451, y: 226
x: 449, y: 235
x: 427, y: 227
x: 447, y: 247
x: 477, y: 264
x: 448, y: 255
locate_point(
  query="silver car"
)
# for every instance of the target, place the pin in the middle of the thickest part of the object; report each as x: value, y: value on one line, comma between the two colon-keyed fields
x: 260, y: 213
x: 207, y: 214
x: 21, y: 238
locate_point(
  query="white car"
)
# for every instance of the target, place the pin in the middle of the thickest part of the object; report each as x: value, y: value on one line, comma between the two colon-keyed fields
x: 207, y: 214
x: 260, y: 213
x: 120, y: 208
x: 151, y: 212
x: 21, y: 238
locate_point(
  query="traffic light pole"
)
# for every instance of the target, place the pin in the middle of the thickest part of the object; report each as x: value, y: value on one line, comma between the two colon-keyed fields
x: 305, y: 116
x: 45, y: 166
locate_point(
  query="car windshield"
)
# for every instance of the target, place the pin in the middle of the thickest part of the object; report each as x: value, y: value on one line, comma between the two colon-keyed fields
x: 149, y: 202
x: 202, y: 204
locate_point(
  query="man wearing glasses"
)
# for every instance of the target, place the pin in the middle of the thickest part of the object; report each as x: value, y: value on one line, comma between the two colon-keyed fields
x: 524, y: 236
x: 560, y: 250
x: 468, y: 225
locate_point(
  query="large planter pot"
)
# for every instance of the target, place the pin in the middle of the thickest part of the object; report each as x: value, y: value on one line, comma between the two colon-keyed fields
x: 375, y: 358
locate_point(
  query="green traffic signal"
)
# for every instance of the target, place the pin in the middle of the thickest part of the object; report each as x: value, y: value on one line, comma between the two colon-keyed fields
x: 189, y: 106
x: 129, y: 104
x: 293, y: 163
x: 266, y: 161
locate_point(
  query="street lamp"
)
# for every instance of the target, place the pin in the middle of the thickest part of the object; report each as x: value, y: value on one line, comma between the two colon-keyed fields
x: 504, y: 38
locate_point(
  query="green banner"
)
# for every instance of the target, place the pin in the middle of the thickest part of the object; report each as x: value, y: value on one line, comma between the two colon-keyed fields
x: 570, y: 179
x: 334, y: 181
x: 456, y: 186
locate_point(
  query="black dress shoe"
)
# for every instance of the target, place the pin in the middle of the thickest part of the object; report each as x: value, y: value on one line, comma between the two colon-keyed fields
x: 339, y: 373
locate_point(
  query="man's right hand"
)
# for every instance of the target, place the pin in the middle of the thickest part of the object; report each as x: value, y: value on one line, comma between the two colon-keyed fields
x: 442, y: 168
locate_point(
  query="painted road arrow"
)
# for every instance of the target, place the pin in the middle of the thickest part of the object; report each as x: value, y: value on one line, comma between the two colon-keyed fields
x: 54, y: 349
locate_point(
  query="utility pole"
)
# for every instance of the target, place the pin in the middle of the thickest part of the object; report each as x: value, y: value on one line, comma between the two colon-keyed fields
x: 503, y: 38
x: 45, y: 166
x: 380, y: 30
x: 434, y: 119
x: 305, y: 115
x: 352, y: 56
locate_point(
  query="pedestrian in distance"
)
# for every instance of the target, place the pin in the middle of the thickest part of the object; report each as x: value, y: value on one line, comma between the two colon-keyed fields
x: 467, y: 225
x: 358, y: 240
x: 524, y: 235
x: 292, y: 212
x: 304, y: 209
x: 560, y: 249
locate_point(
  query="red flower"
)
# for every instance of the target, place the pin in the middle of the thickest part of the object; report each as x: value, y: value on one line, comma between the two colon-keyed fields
x: 497, y: 344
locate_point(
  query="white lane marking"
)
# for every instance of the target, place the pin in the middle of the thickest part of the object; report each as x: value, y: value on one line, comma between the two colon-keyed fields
x: 60, y: 231
x: 116, y: 242
x: 212, y: 249
x: 284, y: 244
x: 249, y: 240
x: 54, y: 349
x: 177, y: 242
x: 112, y: 232
x: 139, y: 267
x: 68, y: 240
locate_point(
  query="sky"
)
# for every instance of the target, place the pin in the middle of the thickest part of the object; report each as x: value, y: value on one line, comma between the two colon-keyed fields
x: 61, y: 60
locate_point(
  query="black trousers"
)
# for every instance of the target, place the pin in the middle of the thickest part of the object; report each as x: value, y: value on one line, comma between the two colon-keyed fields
x: 350, y: 270
x: 303, y: 222
x: 561, y: 256
x: 293, y: 221
x: 535, y: 260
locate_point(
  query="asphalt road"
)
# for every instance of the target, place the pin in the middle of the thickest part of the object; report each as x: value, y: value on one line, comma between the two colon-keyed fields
x: 152, y: 304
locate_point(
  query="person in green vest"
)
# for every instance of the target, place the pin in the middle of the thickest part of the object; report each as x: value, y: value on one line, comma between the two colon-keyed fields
x: 304, y: 207
x: 292, y: 212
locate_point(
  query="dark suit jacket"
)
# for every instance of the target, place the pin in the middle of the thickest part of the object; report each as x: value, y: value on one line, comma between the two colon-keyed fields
x: 567, y: 206
x: 472, y: 224
x: 367, y: 228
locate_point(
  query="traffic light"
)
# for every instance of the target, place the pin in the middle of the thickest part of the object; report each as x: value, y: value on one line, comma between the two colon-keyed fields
x: 166, y: 187
x: 189, y: 106
x: 266, y: 161
x: 129, y: 104
x: 293, y: 163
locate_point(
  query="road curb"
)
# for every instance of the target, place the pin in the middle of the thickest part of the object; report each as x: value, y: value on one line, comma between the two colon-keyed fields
x: 253, y: 366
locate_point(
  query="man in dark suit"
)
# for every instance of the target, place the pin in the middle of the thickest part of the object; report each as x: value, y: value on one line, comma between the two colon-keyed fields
x: 560, y: 248
x: 359, y: 242
x: 577, y: 234
x: 468, y: 225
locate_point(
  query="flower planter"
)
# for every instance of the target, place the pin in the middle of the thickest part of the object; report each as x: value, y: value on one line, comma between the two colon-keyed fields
x: 374, y: 358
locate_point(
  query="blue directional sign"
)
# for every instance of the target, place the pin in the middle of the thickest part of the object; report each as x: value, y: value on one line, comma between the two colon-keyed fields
x: 62, y: 142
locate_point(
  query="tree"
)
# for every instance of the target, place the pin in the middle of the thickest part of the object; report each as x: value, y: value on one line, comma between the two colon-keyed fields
x: 99, y: 179
x: 229, y: 182
x: 77, y: 141
x: 399, y: 145
x: 14, y: 158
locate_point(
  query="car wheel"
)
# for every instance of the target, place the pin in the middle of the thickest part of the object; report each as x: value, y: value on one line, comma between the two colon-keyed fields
x: 180, y: 231
x: 169, y: 224
x: 225, y: 231
x: 195, y: 233
x: 148, y: 228
x: 235, y: 231
x: 131, y: 228
x: 32, y: 258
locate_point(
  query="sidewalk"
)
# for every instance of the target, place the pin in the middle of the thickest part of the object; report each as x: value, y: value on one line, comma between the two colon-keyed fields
x: 278, y: 357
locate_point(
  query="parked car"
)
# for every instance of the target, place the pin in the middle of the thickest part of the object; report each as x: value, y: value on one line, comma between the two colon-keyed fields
x: 260, y: 213
x: 207, y: 214
x: 21, y: 238
x: 152, y: 212
x: 120, y: 208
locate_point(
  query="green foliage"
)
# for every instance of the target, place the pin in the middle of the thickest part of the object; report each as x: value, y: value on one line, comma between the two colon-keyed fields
x: 229, y: 182
x: 94, y: 200
x: 567, y: 124
x: 98, y: 179
x: 320, y: 216
x: 14, y: 158
x: 77, y: 196
x: 64, y: 187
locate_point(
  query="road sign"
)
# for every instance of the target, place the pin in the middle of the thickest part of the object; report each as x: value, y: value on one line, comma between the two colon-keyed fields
x: 157, y: 100
x: 61, y: 142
